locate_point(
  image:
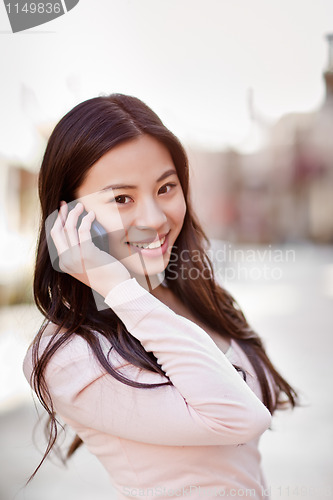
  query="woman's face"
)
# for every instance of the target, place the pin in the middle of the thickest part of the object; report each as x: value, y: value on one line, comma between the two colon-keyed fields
x: 145, y: 203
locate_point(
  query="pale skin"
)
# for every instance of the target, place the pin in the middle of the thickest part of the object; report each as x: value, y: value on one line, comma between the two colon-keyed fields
x: 152, y: 207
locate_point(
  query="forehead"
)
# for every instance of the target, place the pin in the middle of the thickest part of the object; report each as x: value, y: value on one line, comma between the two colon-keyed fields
x: 136, y: 162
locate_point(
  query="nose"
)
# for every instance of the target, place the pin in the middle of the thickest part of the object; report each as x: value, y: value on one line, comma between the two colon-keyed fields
x: 150, y: 215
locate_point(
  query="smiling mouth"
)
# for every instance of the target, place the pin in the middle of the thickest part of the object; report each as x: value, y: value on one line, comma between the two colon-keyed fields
x: 151, y: 246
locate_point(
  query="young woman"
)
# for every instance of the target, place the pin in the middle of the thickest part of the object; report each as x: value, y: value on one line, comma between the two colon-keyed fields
x: 158, y: 373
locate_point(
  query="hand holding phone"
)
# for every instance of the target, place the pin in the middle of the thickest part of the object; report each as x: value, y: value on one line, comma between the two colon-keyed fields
x: 79, y: 256
x: 99, y: 235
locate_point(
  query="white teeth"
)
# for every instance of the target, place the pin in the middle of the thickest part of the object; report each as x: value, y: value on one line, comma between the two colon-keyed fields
x: 151, y: 246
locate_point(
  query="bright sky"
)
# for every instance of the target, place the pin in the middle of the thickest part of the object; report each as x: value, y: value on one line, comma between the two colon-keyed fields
x: 192, y: 61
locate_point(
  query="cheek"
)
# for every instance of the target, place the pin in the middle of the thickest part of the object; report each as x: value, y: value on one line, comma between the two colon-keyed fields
x: 112, y: 223
x: 179, y: 209
x: 110, y: 219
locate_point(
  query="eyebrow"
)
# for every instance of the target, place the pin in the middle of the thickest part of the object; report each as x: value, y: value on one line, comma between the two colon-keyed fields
x: 129, y: 186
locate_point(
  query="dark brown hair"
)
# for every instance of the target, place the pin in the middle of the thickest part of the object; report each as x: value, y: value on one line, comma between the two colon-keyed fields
x: 81, y: 137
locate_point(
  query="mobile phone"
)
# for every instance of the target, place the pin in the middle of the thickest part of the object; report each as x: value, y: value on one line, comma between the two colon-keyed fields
x: 99, y: 235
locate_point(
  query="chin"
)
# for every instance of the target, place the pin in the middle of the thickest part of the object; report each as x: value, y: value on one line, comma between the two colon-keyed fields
x: 149, y: 270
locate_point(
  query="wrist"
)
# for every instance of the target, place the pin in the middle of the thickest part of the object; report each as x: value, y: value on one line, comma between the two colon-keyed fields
x: 106, y: 278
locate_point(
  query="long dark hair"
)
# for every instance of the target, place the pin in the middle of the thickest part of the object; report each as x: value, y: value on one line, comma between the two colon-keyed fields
x: 82, y: 136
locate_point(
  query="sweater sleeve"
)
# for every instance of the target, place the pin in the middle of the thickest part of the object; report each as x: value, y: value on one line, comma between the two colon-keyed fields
x: 208, y: 404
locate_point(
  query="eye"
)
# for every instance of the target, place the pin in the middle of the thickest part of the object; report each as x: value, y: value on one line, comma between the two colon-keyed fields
x: 170, y: 184
x: 121, y: 196
x: 118, y: 199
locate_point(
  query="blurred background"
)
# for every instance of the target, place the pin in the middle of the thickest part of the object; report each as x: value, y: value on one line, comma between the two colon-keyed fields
x: 248, y: 88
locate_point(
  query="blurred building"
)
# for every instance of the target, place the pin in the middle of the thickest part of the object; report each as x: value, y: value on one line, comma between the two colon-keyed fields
x: 282, y: 192
x: 19, y: 217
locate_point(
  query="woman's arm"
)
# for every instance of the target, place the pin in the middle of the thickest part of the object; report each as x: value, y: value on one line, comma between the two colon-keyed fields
x: 209, y: 404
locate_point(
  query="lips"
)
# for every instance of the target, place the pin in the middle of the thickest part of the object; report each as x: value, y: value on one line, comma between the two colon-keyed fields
x: 148, y: 241
x: 154, y: 250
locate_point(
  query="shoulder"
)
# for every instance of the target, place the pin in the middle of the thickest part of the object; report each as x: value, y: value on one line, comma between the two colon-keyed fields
x: 71, y: 348
x: 74, y: 367
x: 73, y: 364
x: 62, y: 356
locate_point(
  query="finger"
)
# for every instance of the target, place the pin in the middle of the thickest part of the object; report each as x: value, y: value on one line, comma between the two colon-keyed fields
x: 57, y: 234
x: 63, y: 212
x: 62, y: 215
x: 70, y: 227
x: 91, y: 255
x: 84, y: 229
x: 71, y: 232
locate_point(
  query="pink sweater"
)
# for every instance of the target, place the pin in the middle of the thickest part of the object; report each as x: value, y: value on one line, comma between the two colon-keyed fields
x: 193, y: 439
